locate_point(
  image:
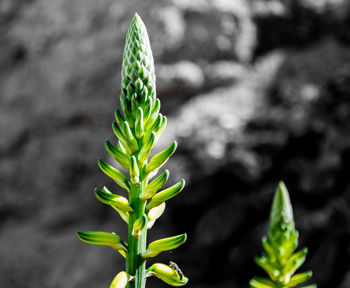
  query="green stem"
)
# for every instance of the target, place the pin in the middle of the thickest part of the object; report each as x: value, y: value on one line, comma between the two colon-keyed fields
x: 135, y: 265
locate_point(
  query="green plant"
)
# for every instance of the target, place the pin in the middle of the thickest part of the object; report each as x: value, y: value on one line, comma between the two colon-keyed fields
x: 138, y: 130
x: 279, y: 260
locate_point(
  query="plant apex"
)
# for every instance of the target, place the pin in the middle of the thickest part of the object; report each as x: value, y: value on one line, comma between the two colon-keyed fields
x: 281, y: 210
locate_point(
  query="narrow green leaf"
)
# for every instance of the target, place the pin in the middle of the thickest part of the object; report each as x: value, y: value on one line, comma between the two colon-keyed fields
x: 159, y: 160
x: 165, y: 195
x: 164, y: 244
x: 118, y: 155
x: 167, y: 274
x: 103, y: 238
x: 300, y: 278
x: 154, y: 214
x: 121, y: 280
x: 105, y: 196
x: 138, y: 226
x: 113, y: 173
x: 139, y: 123
x: 155, y: 185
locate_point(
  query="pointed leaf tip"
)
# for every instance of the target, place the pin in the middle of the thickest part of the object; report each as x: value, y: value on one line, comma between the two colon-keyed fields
x: 281, y: 207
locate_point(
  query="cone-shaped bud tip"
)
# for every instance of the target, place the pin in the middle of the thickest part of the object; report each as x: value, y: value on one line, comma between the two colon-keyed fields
x: 281, y: 210
x: 138, y: 64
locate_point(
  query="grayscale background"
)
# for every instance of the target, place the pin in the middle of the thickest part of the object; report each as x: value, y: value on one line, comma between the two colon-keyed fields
x: 255, y: 92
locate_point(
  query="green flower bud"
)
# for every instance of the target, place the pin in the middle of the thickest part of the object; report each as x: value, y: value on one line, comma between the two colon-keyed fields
x: 130, y: 137
x: 154, y: 214
x: 300, y: 278
x: 164, y: 244
x: 124, y: 141
x: 134, y: 171
x: 103, y: 238
x: 138, y: 65
x: 139, y: 225
x: 105, y: 196
x: 148, y: 145
x: 154, y: 114
x: 160, y: 159
x: 113, y: 173
x: 139, y: 123
x: 119, y: 118
x: 281, y: 210
x: 165, y: 195
x: 155, y: 185
x: 121, y: 280
x: 167, y: 274
x: 117, y: 154
x: 259, y: 282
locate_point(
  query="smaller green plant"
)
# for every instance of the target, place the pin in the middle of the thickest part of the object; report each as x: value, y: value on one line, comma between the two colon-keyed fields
x: 279, y: 260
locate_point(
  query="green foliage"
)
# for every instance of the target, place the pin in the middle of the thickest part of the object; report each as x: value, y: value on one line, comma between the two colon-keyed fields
x: 138, y: 128
x: 280, y: 261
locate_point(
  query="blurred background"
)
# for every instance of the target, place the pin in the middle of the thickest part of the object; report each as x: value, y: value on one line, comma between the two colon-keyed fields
x: 255, y: 92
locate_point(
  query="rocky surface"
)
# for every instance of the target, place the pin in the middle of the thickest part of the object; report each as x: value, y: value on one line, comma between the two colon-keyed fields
x: 256, y: 91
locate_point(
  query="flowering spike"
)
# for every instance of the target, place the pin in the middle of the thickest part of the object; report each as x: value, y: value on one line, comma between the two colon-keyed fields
x: 280, y: 262
x: 138, y: 127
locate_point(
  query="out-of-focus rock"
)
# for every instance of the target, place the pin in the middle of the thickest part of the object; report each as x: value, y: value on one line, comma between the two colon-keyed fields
x: 178, y: 82
x: 222, y: 73
x: 299, y: 23
x: 217, y: 30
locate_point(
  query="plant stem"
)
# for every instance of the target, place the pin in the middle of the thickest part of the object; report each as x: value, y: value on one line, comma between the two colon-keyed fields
x: 135, y: 265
